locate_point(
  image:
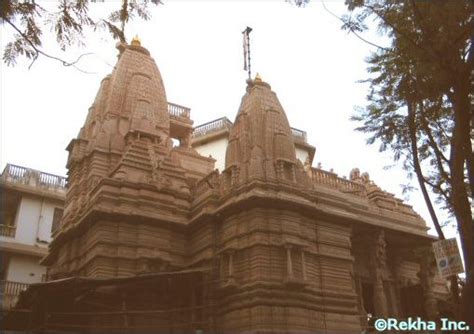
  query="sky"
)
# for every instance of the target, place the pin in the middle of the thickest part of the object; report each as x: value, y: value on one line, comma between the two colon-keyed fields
x: 312, y: 65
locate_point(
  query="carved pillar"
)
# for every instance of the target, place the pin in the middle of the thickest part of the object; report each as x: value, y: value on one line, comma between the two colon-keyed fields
x: 379, y: 265
x: 185, y: 141
x: 396, y: 286
x: 303, y: 264
x: 289, y: 263
x: 426, y: 275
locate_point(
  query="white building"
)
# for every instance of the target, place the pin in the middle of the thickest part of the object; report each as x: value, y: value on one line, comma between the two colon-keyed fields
x: 31, y: 205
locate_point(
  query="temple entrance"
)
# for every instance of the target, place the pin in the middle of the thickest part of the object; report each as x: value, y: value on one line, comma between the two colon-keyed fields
x: 412, y: 301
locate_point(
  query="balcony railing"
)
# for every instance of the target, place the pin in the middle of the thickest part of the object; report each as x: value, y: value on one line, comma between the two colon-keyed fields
x: 177, y: 111
x: 331, y: 180
x: 7, y: 231
x: 31, y: 177
x: 211, y: 127
x: 10, y: 291
x: 299, y: 134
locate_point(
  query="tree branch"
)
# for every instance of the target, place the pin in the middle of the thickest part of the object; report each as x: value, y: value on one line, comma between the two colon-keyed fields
x: 399, y: 32
x: 41, y: 52
x: 438, y: 153
x: 352, y: 29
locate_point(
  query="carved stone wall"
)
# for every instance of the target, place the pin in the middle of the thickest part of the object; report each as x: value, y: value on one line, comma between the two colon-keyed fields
x: 275, y: 257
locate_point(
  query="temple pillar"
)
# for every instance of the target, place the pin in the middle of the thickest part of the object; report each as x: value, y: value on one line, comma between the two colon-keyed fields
x: 395, y: 286
x: 426, y: 275
x: 378, y: 263
x: 185, y: 141
x: 380, y: 300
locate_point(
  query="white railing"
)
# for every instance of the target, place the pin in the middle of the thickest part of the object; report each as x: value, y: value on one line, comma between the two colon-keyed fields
x: 7, y: 231
x: 31, y: 177
x: 15, y: 172
x: 51, y: 179
x: 212, y: 126
x: 10, y: 291
x: 177, y: 111
x: 298, y: 134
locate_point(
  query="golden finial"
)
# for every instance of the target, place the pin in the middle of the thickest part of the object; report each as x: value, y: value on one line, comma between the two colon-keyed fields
x: 136, y: 41
x: 258, y: 78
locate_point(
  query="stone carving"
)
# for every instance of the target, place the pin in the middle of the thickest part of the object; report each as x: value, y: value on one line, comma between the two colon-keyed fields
x: 354, y: 174
x: 365, y: 178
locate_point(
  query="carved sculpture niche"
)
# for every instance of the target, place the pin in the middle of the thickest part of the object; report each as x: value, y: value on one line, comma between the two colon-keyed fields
x: 295, y: 264
x: 228, y: 269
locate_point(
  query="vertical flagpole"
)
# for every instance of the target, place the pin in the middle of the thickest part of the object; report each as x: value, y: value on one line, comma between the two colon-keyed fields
x: 247, y: 58
x: 248, y: 48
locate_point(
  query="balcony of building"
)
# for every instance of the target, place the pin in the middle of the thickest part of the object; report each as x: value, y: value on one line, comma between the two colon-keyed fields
x: 10, y: 292
x: 33, y: 181
x: 7, y: 230
x: 212, y: 130
x: 31, y: 202
x: 299, y: 135
x: 181, y: 124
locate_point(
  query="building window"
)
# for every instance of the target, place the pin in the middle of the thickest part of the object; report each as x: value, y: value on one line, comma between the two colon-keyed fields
x: 58, y: 214
x: 8, y: 209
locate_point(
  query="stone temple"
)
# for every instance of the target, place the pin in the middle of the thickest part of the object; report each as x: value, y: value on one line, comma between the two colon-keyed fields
x: 153, y: 237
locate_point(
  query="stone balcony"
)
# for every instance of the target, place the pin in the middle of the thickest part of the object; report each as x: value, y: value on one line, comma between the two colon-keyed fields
x: 331, y: 180
x: 177, y: 111
x: 33, y: 181
x: 181, y: 124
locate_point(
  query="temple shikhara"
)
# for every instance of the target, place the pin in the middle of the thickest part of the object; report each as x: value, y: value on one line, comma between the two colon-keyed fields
x: 224, y: 227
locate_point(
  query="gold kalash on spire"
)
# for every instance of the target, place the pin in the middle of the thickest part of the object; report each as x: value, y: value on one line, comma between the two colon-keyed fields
x: 136, y: 41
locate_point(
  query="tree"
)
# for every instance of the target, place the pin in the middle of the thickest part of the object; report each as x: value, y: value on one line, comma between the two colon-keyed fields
x: 419, y: 104
x: 68, y: 19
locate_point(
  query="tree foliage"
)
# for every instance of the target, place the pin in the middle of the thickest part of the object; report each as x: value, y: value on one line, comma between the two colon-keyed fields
x: 419, y: 105
x: 68, y: 19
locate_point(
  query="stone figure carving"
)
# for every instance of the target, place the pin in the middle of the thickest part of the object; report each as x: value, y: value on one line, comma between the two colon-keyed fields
x: 354, y: 174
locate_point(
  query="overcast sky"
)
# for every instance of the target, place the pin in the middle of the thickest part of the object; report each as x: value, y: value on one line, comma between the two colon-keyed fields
x: 311, y: 64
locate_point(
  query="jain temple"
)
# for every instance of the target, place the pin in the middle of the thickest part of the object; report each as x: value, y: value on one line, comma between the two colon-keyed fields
x: 231, y: 230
